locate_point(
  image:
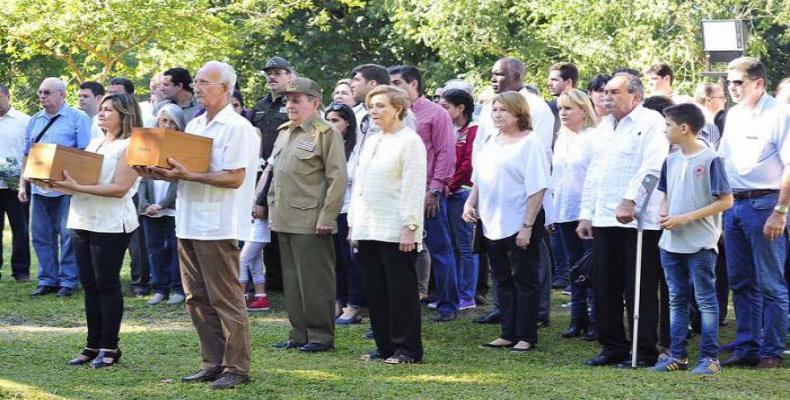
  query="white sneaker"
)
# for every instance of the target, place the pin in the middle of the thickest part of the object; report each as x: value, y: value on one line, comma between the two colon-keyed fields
x: 156, y: 299
x: 434, y: 305
x: 176, y: 299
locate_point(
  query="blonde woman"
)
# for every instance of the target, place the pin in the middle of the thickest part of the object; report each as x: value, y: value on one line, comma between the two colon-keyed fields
x: 572, y: 156
x: 102, y: 218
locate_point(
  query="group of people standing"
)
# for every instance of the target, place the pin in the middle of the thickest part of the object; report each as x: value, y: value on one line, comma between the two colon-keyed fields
x: 359, y: 203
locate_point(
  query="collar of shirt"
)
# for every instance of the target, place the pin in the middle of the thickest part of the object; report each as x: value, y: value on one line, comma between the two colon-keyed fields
x: 222, y: 117
x: 62, y: 112
x: 634, y: 115
x: 420, y: 103
x: 758, y: 109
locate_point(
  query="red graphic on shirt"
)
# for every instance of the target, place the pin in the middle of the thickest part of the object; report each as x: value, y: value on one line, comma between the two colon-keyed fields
x: 699, y: 170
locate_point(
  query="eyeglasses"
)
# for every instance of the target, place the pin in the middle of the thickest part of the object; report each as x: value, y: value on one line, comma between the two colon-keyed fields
x: 276, y: 72
x: 202, y: 84
x: 336, y: 107
x: 45, y: 92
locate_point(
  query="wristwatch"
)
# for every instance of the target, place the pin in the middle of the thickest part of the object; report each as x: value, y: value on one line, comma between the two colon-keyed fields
x: 436, y: 192
x: 781, y: 209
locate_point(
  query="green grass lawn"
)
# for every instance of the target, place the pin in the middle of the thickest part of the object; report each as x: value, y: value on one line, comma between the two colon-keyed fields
x: 159, y: 346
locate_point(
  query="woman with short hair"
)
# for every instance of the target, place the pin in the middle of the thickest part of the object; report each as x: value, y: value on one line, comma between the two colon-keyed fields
x: 511, y: 175
x: 386, y: 225
x: 103, y: 217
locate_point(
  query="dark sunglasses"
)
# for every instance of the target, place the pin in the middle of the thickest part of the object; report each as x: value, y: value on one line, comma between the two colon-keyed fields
x: 46, y: 92
x: 736, y: 83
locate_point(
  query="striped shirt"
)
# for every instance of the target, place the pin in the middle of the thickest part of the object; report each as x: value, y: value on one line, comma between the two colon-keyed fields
x: 438, y: 135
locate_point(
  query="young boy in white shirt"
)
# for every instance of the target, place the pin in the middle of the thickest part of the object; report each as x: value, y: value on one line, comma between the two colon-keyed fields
x: 696, y: 193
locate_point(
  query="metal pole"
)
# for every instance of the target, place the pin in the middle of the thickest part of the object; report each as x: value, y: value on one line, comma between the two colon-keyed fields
x: 649, y: 184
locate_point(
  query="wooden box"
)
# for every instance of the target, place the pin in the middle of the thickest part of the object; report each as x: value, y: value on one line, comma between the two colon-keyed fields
x: 151, y: 147
x: 47, y: 162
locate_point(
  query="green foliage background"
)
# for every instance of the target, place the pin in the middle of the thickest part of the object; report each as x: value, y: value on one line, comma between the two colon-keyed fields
x: 99, y: 39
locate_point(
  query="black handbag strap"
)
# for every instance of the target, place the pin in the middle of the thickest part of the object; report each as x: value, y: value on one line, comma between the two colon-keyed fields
x: 46, y: 128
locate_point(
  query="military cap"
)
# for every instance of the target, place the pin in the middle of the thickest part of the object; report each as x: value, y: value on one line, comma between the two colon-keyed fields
x: 277, y: 62
x: 304, y: 85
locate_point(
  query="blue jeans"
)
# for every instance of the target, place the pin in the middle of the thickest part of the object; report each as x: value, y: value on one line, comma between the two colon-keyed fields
x: 465, y: 260
x: 348, y: 274
x: 755, y: 268
x: 561, y: 263
x: 574, y: 247
x: 162, y: 246
x: 47, y: 225
x: 437, y: 230
x: 685, y: 272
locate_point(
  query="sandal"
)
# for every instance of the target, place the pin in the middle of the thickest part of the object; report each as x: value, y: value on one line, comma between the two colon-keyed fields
x: 498, y: 343
x: 374, y: 355
x: 401, y: 359
x: 113, y: 356
x: 86, y: 356
x: 529, y: 347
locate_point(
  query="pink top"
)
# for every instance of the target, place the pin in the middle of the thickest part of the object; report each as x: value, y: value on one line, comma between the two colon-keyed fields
x: 436, y: 130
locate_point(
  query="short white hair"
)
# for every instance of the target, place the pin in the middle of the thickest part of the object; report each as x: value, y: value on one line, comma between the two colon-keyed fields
x: 56, y: 82
x: 226, y: 73
x: 461, y: 85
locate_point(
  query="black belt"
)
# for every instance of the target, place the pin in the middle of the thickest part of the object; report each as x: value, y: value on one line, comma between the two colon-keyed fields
x: 750, y: 194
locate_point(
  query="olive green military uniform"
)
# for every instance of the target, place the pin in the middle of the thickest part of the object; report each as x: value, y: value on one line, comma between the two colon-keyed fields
x: 308, y: 185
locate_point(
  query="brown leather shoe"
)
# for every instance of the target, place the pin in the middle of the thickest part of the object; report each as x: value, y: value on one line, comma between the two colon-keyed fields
x: 769, y: 362
x: 229, y: 380
x: 204, y: 375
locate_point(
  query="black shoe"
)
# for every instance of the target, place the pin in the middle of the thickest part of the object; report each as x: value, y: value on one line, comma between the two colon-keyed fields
x: 603, y: 360
x: 445, y: 317
x: 591, y: 335
x: 572, y: 332
x: 316, y: 348
x: 480, y: 300
x: 288, y: 344
x: 137, y: 292
x: 491, y: 318
x: 740, y: 361
x: 204, y: 375
x: 65, y: 291
x: 99, y: 362
x: 43, y: 290
x: 85, y: 357
x: 543, y: 324
x: 229, y: 380
x: 22, y: 278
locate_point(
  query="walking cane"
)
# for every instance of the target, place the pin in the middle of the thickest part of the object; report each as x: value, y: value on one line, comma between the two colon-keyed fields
x: 649, y: 184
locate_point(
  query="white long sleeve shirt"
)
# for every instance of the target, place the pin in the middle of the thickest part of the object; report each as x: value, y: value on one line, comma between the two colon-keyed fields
x: 624, y: 153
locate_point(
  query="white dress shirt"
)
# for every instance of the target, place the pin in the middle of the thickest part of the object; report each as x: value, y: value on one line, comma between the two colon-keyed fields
x: 624, y: 153
x: 755, y: 146
x: 207, y: 212
x: 99, y: 213
x: 572, y: 156
x: 13, y: 126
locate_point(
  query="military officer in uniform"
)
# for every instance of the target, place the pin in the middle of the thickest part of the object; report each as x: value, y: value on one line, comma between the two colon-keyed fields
x: 267, y: 115
x: 304, y: 199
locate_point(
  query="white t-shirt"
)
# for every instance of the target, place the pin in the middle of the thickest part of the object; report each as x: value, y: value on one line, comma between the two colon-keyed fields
x: 505, y: 176
x: 206, y: 212
x: 100, y: 213
x: 13, y: 126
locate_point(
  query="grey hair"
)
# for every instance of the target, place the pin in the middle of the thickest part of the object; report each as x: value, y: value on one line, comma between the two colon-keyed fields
x: 634, y: 84
x: 514, y: 65
x: 461, y: 85
x: 226, y: 73
x: 59, y: 84
x: 175, y: 113
x: 4, y: 90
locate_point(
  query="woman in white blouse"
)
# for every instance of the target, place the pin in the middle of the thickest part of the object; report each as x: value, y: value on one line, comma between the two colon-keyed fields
x: 102, y: 217
x: 572, y: 156
x: 386, y: 224
x: 510, y: 176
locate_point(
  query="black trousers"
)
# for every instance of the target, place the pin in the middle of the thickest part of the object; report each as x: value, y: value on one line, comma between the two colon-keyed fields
x: 140, y: 270
x: 20, y: 239
x: 99, y: 259
x: 274, y: 269
x: 517, y: 277
x: 390, y: 278
x: 614, y: 274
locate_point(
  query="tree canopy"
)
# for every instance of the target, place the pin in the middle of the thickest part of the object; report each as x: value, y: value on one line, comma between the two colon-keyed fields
x: 99, y: 39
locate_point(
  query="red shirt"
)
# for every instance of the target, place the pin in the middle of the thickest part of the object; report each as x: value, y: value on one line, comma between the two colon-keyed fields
x: 436, y: 130
x: 463, y: 157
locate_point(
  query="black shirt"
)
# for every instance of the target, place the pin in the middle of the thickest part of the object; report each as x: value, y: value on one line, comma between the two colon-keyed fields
x: 267, y: 115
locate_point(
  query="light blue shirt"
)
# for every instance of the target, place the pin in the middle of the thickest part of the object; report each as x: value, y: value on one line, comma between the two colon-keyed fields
x: 72, y: 129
